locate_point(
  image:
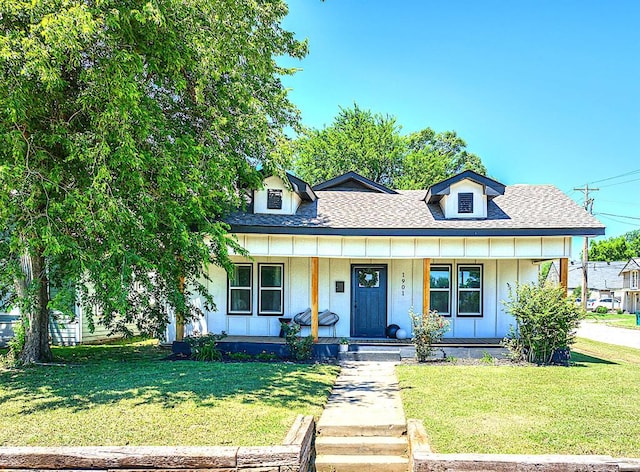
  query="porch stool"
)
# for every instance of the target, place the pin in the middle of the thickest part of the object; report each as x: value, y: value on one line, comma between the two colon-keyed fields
x: 325, y: 318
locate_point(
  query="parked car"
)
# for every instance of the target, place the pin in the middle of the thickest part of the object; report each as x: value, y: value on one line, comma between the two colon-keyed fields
x: 608, y: 303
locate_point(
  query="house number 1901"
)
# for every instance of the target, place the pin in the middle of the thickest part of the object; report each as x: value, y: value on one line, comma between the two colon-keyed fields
x: 403, y: 283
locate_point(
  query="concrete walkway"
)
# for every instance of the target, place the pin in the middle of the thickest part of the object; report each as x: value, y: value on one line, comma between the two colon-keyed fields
x: 363, y: 427
x: 609, y: 334
x: 366, y: 395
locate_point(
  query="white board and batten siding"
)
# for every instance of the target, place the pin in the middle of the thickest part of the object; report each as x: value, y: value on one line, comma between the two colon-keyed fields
x: 407, y: 247
x: 404, y: 290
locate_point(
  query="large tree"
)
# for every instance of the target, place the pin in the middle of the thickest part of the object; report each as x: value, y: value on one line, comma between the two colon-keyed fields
x: 618, y: 248
x: 356, y: 140
x: 372, y: 144
x: 127, y: 129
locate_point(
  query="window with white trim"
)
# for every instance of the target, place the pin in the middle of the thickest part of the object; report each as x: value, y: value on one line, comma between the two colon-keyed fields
x: 271, y: 289
x: 634, y: 279
x: 241, y: 290
x: 469, y: 290
x: 440, y: 290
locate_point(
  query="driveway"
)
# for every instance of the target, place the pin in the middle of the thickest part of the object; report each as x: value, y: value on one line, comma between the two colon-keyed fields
x: 609, y: 334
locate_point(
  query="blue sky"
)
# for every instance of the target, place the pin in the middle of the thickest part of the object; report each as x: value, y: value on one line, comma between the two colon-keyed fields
x: 544, y: 91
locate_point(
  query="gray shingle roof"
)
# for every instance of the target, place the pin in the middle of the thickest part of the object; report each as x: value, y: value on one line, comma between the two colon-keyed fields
x: 523, y: 209
x: 600, y: 275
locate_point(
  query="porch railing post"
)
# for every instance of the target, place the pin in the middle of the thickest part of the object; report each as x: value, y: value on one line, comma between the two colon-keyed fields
x: 314, y: 298
x: 426, y: 286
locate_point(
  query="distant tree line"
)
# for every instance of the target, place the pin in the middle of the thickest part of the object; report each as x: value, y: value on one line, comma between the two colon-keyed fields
x: 617, y: 248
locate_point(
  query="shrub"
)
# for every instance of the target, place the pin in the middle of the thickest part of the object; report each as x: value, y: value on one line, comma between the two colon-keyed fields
x: 265, y: 356
x: 205, y: 348
x: 619, y: 311
x: 602, y: 310
x: 427, y: 330
x: 546, y: 321
x: 240, y: 356
x: 16, y: 343
x: 300, y: 349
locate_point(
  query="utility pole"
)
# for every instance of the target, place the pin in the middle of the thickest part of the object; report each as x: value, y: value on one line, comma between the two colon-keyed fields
x: 588, y: 206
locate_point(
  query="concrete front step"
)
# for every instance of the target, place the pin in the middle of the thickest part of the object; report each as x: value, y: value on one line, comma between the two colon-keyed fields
x: 397, y: 430
x: 379, y: 445
x: 339, y: 463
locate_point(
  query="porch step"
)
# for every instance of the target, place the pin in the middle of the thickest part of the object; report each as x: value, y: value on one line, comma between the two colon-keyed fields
x: 363, y: 445
x: 364, y: 429
x: 352, y: 463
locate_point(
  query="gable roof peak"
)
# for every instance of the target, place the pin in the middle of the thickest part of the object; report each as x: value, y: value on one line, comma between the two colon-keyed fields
x: 352, y: 181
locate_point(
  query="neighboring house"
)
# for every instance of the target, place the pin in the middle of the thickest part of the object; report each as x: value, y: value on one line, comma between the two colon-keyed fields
x: 631, y: 285
x: 370, y: 254
x: 62, y: 330
x: 603, y: 278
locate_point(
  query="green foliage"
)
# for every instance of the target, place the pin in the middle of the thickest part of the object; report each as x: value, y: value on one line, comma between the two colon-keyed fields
x: 487, y: 358
x: 240, y: 356
x: 427, y: 330
x: 205, y: 348
x: 16, y: 344
x: 602, y: 310
x: 300, y: 349
x: 544, y: 269
x: 577, y: 292
x: 546, y: 320
x: 372, y: 145
x: 126, y: 130
x: 265, y: 356
x: 619, y: 248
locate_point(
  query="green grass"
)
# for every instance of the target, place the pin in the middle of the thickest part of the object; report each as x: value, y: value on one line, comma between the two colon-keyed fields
x: 590, y: 408
x: 124, y: 394
x: 625, y: 320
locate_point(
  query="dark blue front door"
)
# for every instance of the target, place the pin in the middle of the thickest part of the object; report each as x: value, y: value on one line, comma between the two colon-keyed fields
x: 368, y: 301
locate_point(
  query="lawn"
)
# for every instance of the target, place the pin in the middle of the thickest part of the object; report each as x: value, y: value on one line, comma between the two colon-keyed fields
x: 590, y: 408
x: 127, y: 395
x: 612, y: 319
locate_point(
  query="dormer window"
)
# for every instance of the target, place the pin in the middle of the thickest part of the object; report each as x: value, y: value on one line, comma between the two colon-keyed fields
x: 466, y: 195
x: 465, y: 202
x: 274, y: 199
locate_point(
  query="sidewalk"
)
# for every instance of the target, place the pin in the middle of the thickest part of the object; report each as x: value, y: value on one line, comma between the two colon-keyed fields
x: 366, y: 397
x: 609, y: 334
x: 363, y: 427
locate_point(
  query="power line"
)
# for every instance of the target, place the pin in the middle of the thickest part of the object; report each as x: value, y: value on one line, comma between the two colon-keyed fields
x: 635, y: 225
x: 620, y: 216
x: 617, y: 176
x: 620, y: 183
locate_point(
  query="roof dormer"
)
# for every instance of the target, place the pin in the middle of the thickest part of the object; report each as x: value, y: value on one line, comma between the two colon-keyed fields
x: 464, y: 195
x: 281, y: 198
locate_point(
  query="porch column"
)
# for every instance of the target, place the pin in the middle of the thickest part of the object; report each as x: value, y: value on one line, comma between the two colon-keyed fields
x: 314, y: 298
x: 564, y: 274
x: 426, y: 286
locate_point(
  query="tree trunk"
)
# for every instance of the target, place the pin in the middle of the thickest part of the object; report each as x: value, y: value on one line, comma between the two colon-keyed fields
x: 180, y: 318
x: 33, y: 289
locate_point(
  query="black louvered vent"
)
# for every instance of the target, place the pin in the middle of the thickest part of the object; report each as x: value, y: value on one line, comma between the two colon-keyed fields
x: 465, y: 203
x: 274, y: 199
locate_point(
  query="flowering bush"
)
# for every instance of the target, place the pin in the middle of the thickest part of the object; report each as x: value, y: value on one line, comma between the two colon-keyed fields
x: 546, y: 321
x: 427, y: 329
